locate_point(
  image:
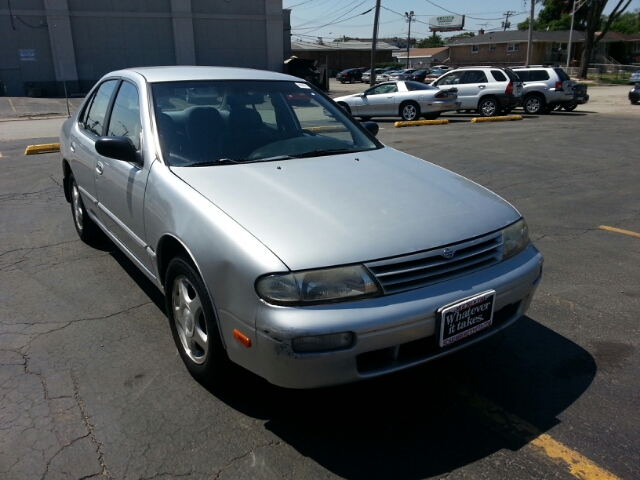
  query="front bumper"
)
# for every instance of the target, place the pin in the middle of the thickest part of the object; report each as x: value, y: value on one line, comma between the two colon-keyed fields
x: 392, y: 332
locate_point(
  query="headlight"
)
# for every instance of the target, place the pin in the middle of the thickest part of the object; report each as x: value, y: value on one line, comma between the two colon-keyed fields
x: 317, y: 286
x: 514, y: 238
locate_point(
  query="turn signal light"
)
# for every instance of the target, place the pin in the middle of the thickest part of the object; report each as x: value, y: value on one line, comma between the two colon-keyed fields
x: 242, y: 339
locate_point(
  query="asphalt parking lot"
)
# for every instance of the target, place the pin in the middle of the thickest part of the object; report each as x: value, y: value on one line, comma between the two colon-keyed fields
x: 91, y: 384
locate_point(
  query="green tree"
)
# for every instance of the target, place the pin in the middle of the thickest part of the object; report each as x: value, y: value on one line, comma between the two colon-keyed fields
x: 628, y: 22
x: 556, y: 15
x: 433, y: 41
x: 594, y: 19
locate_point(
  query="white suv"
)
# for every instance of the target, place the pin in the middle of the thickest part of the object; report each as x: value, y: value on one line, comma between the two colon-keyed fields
x: 489, y: 90
x: 546, y: 88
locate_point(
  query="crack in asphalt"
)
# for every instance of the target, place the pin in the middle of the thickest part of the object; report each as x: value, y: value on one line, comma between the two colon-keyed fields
x: 240, y: 457
x: 89, y: 425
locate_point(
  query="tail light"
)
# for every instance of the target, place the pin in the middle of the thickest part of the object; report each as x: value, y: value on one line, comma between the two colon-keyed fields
x: 558, y: 86
x: 442, y: 95
x: 509, y: 90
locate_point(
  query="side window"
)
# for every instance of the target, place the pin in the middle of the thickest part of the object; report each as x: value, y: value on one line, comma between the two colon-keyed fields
x: 475, y: 76
x: 94, y: 121
x: 125, y: 117
x: 539, y: 75
x: 524, y: 75
x: 451, y: 79
x: 498, y: 75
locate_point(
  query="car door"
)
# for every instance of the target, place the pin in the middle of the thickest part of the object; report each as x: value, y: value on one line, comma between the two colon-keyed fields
x: 120, y: 185
x: 82, y: 136
x: 377, y: 101
x: 471, y: 88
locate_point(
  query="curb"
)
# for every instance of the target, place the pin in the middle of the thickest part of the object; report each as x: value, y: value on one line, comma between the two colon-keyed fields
x: 42, y: 148
x: 418, y: 123
x: 508, y: 118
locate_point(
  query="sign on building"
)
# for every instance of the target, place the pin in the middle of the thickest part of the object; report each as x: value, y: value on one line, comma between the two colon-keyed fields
x: 446, y: 23
x: 27, y: 55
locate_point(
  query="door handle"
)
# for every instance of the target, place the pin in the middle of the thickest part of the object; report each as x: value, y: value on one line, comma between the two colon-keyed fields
x: 73, y: 147
x: 99, y: 168
x: 482, y: 86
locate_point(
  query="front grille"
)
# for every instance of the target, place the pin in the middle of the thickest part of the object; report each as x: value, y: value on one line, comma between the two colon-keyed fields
x: 409, y: 272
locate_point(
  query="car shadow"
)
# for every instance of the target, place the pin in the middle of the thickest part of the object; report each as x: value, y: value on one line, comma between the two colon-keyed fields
x: 420, y: 423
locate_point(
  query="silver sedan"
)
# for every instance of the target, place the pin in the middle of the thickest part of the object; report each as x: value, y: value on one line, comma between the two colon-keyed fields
x: 284, y: 236
x: 406, y: 99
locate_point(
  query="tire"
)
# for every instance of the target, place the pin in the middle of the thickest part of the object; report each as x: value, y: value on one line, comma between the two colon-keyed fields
x: 352, y: 80
x: 345, y: 106
x: 431, y: 116
x: 634, y: 102
x: 193, y: 323
x: 410, y: 111
x: 533, y: 104
x: 570, y: 108
x: 488, y: 107
x: 87, y: 229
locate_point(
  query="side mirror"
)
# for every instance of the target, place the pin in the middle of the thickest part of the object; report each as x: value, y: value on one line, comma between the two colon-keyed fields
x: 118, y: 148
x: 372, y: 127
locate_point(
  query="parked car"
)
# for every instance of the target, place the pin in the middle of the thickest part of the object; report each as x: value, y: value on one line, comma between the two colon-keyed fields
x: 441, y: 67
x: 366, y: 76
x: 401, y: 74
x: 634, y: 94
x: 351, y: 75
x: 434, y: 73
x: 488, y: 90
x: 635, y: 77
x: 288, y: 241
x: 385, y: 76
x: 546, y: 88
x: 405, y: 99
x: 418, y: 76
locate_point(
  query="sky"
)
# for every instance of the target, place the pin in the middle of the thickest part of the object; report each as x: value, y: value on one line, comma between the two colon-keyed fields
x: 331, y: 19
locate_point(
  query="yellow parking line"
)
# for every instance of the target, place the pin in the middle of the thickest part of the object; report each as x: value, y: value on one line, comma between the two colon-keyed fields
x: 12, y: 107
x: 511, y: 425
x: 619, y: 230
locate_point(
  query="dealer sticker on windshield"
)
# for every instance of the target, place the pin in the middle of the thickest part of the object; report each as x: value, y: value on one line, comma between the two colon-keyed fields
x: 466, y: 317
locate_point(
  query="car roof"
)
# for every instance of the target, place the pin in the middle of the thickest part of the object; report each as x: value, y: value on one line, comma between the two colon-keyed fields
x: 183, y: 73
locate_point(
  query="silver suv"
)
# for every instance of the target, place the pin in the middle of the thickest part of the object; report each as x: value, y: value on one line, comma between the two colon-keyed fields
x: 489, y: 90
x: 547, y: 88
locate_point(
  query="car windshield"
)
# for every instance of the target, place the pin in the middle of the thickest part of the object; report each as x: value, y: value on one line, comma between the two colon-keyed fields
x: 203, y: 123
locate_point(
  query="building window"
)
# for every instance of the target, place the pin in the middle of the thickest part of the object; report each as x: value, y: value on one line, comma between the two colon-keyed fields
x: 492, y: 46
x: 513, y: 47
x: 474, y: 49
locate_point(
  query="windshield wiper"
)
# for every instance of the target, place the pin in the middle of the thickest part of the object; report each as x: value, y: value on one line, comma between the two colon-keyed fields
x: 319, y: 153
x: 209, y: 163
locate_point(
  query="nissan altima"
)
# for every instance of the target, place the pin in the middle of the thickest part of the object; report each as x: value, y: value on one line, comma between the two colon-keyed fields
x: 406, y: 99
x: 284, y: 236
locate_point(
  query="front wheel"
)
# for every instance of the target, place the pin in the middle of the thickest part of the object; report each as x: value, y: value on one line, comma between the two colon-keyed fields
x: 85, y: 226
x: 193, y: 323
x: 489, y: 107
x: 345, y: 106
x: 410, y: 111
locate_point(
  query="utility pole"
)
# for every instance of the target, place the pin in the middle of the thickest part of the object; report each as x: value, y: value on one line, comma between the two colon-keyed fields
x: 530, y: 39
x: 506, y: 24
x: 372, y: 79
x: 409, y: 18
x: 577, y: 4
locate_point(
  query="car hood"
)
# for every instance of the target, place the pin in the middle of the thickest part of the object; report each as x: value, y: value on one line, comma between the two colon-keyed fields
x: 341, y: 209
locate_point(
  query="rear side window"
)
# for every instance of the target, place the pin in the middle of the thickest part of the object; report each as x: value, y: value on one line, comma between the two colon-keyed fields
x: 498, y: 75
x: 475, y: 76
x: 524, y: 75
x: 94, y: 121
x: 539, y: 75
x: 561, y: 74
